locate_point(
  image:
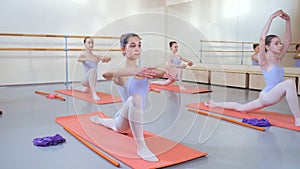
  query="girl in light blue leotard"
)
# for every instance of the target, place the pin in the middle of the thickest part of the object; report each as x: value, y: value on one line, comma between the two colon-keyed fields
x: 132, y: 84
x: 271, y: 53
x: 254, y: 58
x: 175, y: 66
x: 90, y: 65
x: 297, y: 56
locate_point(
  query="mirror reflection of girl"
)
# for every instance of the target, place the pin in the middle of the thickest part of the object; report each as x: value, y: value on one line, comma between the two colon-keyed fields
x: 90, y: 64
x: 271, y: 53
x: 133, y: 86
x: 175, y: 65
x: 254, y: 58
x: 297, y: 56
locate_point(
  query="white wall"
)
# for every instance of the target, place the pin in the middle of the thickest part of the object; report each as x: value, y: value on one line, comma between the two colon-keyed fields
x: 70, y: 17
x: 231, y: 20
x: 186, y: 22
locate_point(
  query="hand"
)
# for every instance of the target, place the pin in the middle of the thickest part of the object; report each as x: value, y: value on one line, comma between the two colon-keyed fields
x: 106, y: 59
x: 285, y: 16
x: 277, y: 13
x: 183, y: 66
x: 171, y: 74
x: 190, y: 63
x: 148, y: 72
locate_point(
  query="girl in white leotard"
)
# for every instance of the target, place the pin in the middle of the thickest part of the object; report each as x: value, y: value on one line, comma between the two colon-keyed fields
x: 175, y: 65
x: 271, y: 53
x: 132, y: 83
x: 90, y: 65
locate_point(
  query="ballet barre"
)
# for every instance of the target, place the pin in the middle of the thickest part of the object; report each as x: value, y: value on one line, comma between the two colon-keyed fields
x: 54, y: 49
x: 66, y: 49
x: 56, y: 35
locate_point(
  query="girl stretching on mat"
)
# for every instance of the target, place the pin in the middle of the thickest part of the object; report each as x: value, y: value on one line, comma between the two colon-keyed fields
x: 271, y: 53
x: 175, y: 65
x: 133, y: 86
x: 90, y: 65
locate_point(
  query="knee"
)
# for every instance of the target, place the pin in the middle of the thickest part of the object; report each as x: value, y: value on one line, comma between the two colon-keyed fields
x: 172, y: 80
x: 92, y: 72
x: 290, y: 84
x: 265, y: 101
x: 137, y: 101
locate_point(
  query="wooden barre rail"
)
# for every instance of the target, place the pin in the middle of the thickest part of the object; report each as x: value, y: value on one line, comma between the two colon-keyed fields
x: 244, y: 42
x: 56, y: 35
x: 53, y: 49
x: 221, y: 41
x: 235, y: 51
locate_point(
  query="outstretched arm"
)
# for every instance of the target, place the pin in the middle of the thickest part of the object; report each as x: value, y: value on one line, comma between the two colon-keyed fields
x: 261, y: 54
x: 121, y: 72
x: 189, y: 62
x: 104, y: 59
x: 288, y: 35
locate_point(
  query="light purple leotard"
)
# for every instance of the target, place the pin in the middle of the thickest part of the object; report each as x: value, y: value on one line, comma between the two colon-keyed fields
x: 273, y: 77
x: 134, y: 86
x: 87, y: 65
x: 297, y: 62
x: 176, y: 60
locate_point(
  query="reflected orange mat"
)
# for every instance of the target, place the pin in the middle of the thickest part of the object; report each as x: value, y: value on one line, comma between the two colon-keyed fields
x: 105, y: 98
x: 276, y: 119
x: 176, y: 89
x: 123, y: 147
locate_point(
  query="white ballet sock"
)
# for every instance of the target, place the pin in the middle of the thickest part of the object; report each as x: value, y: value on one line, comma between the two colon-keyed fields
x: 96, y: 97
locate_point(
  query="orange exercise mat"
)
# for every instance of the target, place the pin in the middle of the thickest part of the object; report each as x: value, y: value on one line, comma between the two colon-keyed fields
x: 105, y: 98
x: 122, y: 146
x: 177, y: 89
x: 276, y: 119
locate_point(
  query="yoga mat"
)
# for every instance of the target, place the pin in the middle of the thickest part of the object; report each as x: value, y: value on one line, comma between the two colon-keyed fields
x: 286, y: 121
x: 122, y: 146
x: 176, y: 89
x: 105, y: 98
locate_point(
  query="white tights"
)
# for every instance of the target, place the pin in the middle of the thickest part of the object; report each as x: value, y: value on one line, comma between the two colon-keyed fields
x: 130, y: 118
x: 89, y: 83
x: 286, y: 88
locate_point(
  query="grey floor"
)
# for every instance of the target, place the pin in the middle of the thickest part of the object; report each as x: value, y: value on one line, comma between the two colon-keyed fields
x: 27, y: 115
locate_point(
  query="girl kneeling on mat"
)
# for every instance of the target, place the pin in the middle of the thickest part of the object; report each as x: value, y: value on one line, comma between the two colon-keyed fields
x: 175, y: 67
x: 90, y: 65
x: 271, y: 53
x: 133, y: 86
